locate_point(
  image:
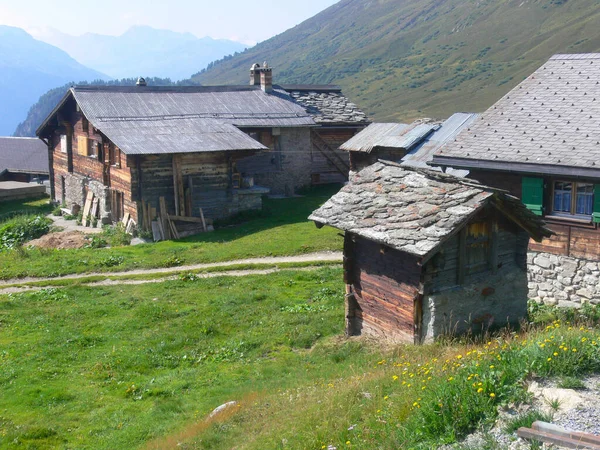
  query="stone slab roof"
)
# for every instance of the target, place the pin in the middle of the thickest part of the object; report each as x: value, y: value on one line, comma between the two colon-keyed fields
x: 552, y: 118
x: 327, y: 106
x: 22, y: 154
x: 415, y: 210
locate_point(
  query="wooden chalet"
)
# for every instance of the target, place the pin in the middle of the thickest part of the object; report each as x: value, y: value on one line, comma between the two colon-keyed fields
x: 427, y: 254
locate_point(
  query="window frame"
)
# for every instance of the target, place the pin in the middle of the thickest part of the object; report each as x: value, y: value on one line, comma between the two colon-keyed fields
x: 572, y: 214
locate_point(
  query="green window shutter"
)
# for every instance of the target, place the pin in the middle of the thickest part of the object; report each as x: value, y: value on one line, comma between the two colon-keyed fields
x: 533, y: 194
x: 596, y: 209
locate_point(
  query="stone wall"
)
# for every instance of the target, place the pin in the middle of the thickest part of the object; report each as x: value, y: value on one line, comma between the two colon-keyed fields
x: 76, y: 188
x: 485, y: 302
x: 562, y: 280
x: 285, y: 169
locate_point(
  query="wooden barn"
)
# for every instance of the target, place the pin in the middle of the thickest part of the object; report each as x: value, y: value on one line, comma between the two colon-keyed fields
x: 428, y: 254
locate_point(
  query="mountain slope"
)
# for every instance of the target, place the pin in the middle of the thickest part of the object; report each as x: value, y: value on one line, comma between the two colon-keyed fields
x: 401, y: 59
x: 142, y: 50
x: 28, y: 68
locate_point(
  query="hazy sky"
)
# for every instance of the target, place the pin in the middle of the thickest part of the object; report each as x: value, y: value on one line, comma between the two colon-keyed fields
x: 247, y: 21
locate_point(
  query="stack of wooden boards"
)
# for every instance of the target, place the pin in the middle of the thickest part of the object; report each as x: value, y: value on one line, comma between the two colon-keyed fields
x: 165, y: 226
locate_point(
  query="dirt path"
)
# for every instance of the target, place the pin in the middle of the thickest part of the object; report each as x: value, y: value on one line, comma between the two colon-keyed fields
x: 174, y: 271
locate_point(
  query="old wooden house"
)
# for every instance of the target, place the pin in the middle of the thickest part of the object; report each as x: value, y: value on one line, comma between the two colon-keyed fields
x: 218, y: 148
x: 427, y: 254
x: 541, y: 142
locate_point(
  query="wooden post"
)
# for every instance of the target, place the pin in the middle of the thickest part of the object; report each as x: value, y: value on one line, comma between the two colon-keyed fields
x: 145, y: 223
x: 164, y: 218
x: 462, y: 255
x: 178, y: 186
x: 203, y: 221
x: 494, y: 246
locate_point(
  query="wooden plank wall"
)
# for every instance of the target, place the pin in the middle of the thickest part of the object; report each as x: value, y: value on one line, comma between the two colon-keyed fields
x: 441, y: 271
x: 210, y: 175
x: 120, y: 176
x: 385, y: 283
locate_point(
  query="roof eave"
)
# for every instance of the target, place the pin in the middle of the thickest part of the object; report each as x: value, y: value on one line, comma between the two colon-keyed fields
x: 44, y: 124
x: 515, y: 167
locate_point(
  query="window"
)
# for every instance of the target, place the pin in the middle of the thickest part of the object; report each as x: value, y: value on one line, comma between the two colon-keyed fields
x: 63, y: 143
x: 571, y: 198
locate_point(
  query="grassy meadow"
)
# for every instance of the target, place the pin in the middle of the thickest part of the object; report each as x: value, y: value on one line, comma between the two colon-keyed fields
x: 281, y: 229
x: 142, y: 367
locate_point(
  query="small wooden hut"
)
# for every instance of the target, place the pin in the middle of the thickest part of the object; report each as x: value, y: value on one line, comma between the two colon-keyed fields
x: 427, y: 254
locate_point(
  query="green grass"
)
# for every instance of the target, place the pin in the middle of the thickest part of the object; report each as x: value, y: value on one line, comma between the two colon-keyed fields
x: 526, y: 419
x: 142, y: 367
x: 282, y: 229
x: 114, y: 367
x: 24, y: 207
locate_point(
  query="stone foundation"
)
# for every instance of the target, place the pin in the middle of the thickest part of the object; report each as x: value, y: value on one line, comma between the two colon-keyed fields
x: 563, y: 281
x: 490, y: 301
x: 76, y: 188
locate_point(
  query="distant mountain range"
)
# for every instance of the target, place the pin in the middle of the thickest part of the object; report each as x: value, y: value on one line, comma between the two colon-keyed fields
x: 403, y: 59
x: 28, y: 69
x: 142, y: 50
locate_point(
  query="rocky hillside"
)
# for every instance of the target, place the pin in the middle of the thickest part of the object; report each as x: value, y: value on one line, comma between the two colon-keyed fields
x: 401, y: 59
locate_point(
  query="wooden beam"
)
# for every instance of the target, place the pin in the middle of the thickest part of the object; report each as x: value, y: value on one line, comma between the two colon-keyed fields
x: 86, y: 208
x: 554, y: 429
x: 494, y: 245
x: 462, y: 255
x: 178, y: 190
x: 164, y: 218
x: 551, y: 438
x: 203, y: 221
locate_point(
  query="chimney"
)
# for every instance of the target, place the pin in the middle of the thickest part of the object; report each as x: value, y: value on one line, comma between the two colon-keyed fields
x: 255, y: 75
x: 266, y: 78
x: 141, y: 82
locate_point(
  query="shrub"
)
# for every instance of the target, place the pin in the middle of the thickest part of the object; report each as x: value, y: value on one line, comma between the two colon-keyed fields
x: 112, y: 261
x: 21, y: 229
x: 115, y: 236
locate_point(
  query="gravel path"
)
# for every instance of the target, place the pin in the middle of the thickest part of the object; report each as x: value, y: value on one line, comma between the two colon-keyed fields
x: 309, y: 257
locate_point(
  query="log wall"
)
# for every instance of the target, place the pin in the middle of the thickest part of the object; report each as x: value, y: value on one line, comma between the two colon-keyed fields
x: 385, y: 287
x: 322, y: 169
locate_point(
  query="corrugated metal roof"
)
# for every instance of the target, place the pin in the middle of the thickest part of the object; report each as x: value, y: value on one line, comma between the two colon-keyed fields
x: 423, y: 153
x: 549, y: 120
x: 20, y: 154
x: 391, y: 135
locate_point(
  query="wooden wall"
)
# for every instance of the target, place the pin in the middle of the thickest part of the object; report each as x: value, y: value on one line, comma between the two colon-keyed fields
x: 385, y: 284
x: 486, y: 251
x: 115, y: 174
x: 206, y: 175
x: 575, y: 239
